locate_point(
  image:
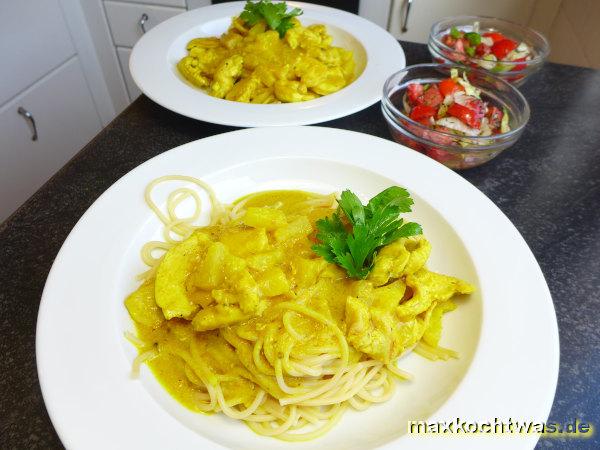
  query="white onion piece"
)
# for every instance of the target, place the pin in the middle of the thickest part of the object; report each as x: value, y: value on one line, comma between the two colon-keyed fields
x: 455, y: 124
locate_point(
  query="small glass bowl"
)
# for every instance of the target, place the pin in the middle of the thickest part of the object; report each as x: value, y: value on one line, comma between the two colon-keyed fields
x: 454, y: 151
x: 511, y: 71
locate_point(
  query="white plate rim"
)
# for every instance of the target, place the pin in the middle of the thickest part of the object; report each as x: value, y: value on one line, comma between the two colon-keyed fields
x: 153, y: 75
x: 474, y: 390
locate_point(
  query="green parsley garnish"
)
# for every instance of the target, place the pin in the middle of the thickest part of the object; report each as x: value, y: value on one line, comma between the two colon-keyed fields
x: 274, y: 14
x: 372, y: 227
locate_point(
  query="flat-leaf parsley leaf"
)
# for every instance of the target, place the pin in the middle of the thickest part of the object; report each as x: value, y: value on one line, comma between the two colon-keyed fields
x: 353, y: 246
x: 276, y: 15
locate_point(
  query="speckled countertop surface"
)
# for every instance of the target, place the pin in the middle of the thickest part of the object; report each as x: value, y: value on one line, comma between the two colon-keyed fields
x: 548, y: 184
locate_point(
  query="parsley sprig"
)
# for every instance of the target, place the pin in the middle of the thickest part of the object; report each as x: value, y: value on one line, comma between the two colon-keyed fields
x: 275, y: 14
x: 371, y: 227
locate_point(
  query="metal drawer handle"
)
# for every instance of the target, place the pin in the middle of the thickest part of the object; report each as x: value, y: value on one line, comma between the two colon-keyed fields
x: 405, y: 13
x: 142, y: 22
x: 29, y: 117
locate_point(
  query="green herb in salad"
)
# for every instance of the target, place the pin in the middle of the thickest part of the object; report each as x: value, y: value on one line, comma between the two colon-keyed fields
x: 455, y: 33
x: 371, y: 227
x: 274, y: 14
x: 474, y: 39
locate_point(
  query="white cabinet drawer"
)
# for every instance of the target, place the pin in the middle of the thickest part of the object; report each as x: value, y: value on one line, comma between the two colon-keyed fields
x: 66, y: 120
x: 34, y: 39
x: 124, y: 20
x: 132, y: 89
x: 177, y: 3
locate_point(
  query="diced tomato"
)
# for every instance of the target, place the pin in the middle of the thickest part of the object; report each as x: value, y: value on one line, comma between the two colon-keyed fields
x: 494, y: 116
x: 439, y: 154
x: 496, y: 37
x: 467, y: 115
x: 520, y: 66
x: 459, y: 46
x: 482, y: 50
x: 477, y: 106
x: 440, y: 138
x: 448, y: 87
x: 448, y: 40
x: 503, y: 48
x: 515, y: 79
x: 432, y: 96
x: 415, y: 92
x: 421, y: 112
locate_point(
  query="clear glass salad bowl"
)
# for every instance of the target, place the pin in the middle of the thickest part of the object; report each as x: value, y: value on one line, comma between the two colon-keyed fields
x: 515, y: 72
x: 453, y: 150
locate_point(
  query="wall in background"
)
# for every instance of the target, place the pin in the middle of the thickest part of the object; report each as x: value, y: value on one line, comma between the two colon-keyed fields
x: 411, y: 20
x: 346, y: 5
x: 575, y: 33
x: 571, y: 26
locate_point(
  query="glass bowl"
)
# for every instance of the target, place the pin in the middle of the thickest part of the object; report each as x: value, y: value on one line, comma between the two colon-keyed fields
x: 511, y: 71
x: 454, y: 151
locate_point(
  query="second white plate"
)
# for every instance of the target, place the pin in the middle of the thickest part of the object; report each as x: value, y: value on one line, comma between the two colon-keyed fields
x: 153, y: 66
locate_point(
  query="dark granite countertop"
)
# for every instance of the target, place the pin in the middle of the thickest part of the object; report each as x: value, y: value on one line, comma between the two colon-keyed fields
x: 548, y: 184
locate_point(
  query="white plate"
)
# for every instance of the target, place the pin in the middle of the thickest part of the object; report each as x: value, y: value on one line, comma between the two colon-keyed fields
x: 506, y: 332
x: 153, y: 66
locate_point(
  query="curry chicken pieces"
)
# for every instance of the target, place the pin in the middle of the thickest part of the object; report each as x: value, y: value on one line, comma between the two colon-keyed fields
x: 226, y: 281
x: 254, y: 65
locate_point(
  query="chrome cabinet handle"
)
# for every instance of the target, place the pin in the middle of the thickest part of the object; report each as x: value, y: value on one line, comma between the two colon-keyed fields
x: 29, y: 117
x: 142, y: 22
x: 405, y: 13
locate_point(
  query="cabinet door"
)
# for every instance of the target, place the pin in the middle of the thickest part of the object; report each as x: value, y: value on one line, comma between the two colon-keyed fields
x: 132, y: 89
x: 34, y: 39
x: 124, y: 20
x: 424, y: 13
x: 65, y: 119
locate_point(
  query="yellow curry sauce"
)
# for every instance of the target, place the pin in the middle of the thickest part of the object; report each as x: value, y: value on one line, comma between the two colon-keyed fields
x: 255, y: 65
x: 214, y: 301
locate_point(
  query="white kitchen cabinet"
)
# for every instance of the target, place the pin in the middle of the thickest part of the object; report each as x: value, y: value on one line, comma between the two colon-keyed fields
x: 132, y: 90
x: 422, y: 14
x: 129, y: 20
x: 28, y: 53
x: 65, y: 120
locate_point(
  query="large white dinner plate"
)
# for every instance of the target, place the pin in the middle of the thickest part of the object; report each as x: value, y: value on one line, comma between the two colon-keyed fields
x: 506, y: 332
x: 154, y: 59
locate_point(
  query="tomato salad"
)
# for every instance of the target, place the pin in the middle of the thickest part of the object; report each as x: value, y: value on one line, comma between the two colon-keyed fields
x: 452, y: 115
x: 490, y: 50
x: 454, y: 106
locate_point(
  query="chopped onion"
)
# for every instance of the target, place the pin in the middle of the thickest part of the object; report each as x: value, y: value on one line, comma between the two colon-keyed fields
x: 469, y: 88
x: 485, y: 127
x: 455, y: 124
x: 487, y: 41
x: 488, y: 63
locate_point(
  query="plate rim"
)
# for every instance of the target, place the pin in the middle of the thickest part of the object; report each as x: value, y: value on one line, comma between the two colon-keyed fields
x: 149, y: 70
x: 406, y: 154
